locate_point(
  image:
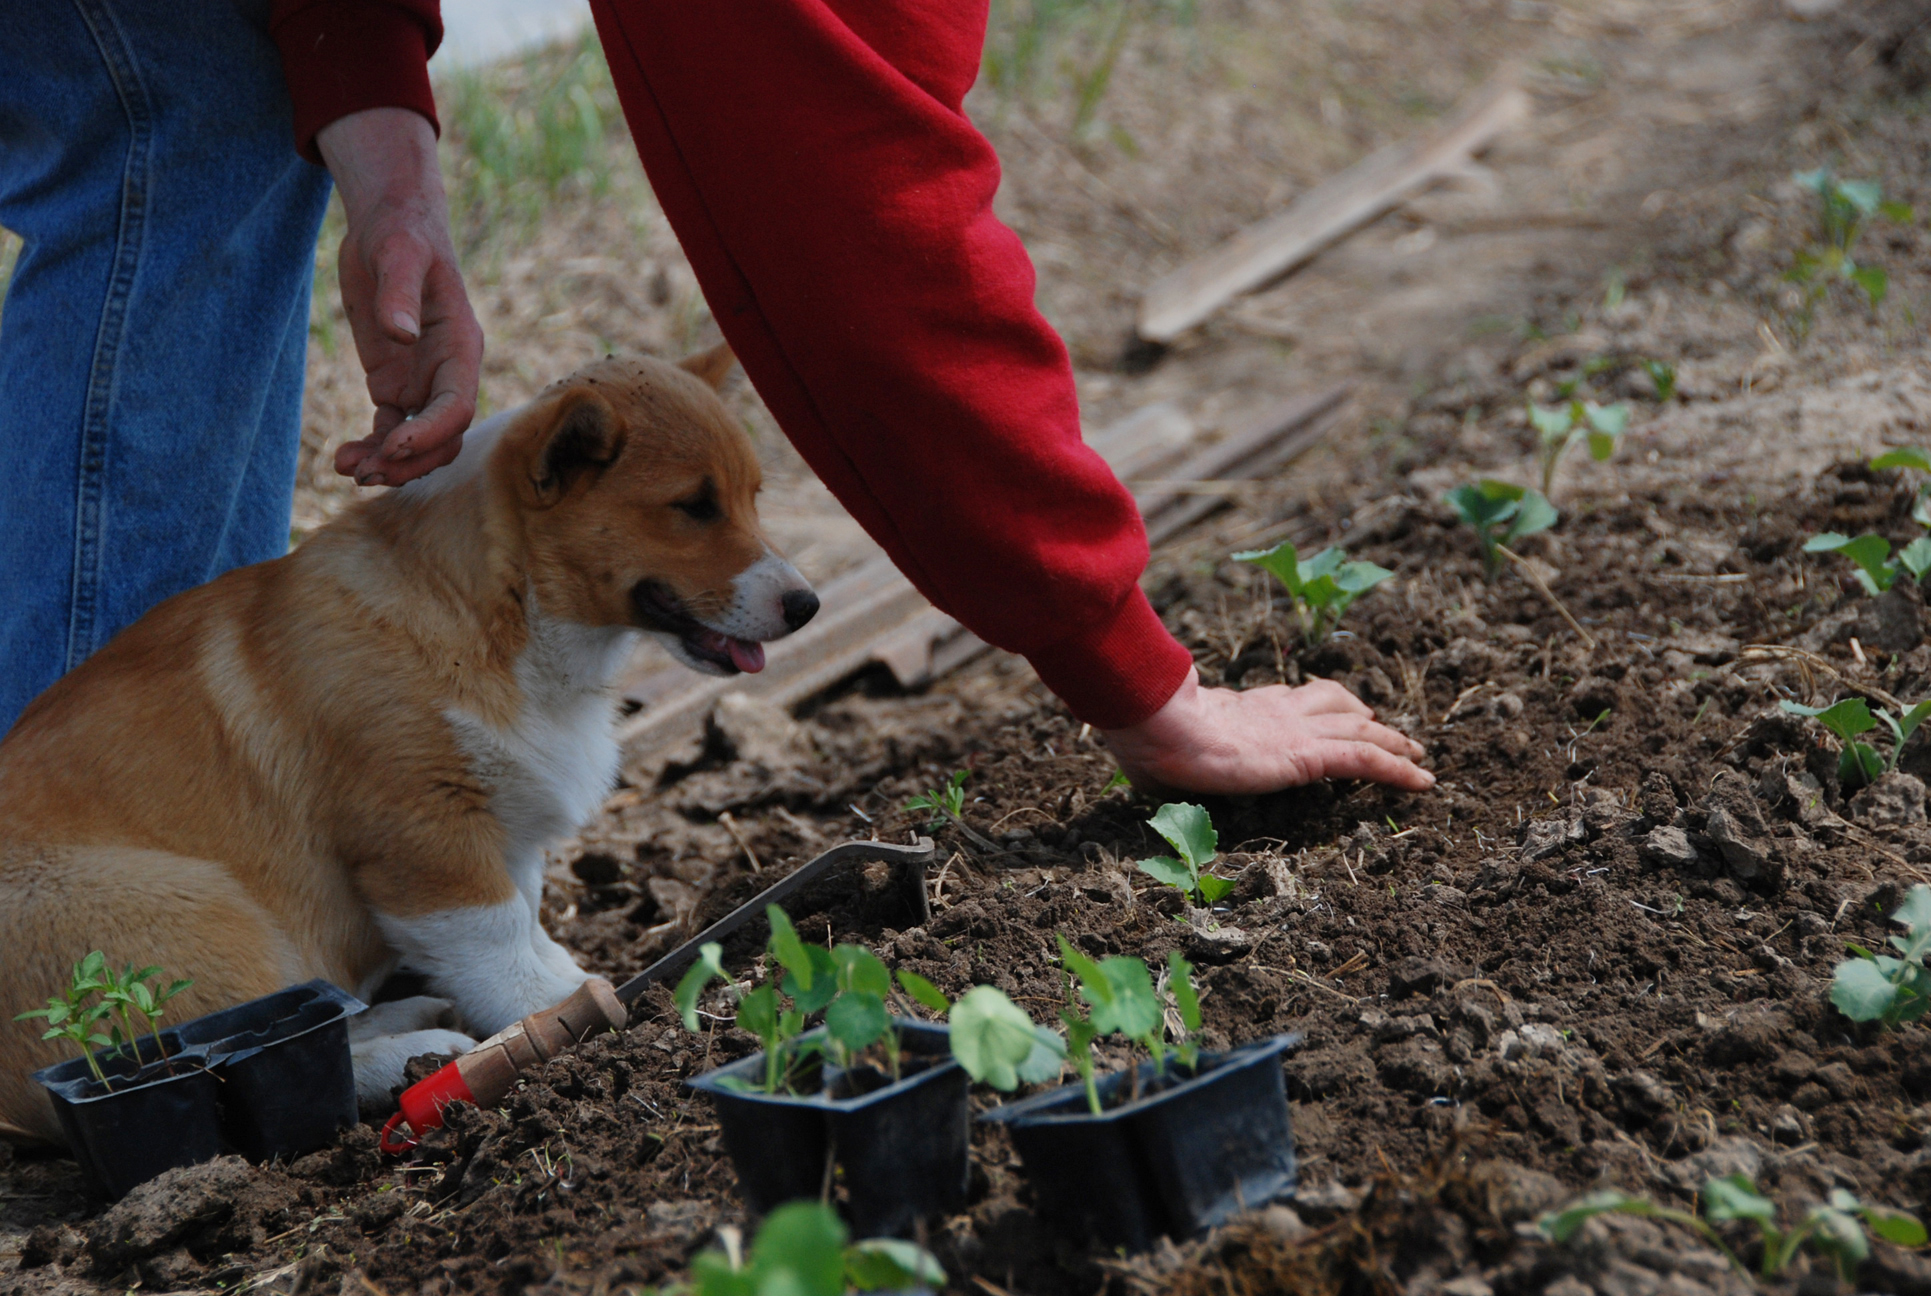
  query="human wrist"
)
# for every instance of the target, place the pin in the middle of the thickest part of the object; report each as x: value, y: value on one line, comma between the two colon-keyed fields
x: 383, y: 157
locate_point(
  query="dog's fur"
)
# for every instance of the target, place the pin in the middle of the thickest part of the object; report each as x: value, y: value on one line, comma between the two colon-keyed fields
x: 349, y: 760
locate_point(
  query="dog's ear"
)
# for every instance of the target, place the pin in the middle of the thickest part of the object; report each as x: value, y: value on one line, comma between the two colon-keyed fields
x: 576, y: 435
x: 713, y: 366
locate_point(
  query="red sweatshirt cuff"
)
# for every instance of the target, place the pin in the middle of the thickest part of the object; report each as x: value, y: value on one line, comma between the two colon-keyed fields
x: 1117, y: 673
x: 343, y: 56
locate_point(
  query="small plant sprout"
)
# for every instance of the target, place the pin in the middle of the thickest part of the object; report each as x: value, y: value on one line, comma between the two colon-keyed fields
x: 135, y: 994
x: 1322, y: 587
x: 801, y: 1250
x: 1879, y: 988
x: 1917, y: 460
x: 946, y: 801
x: 1121, y: 999
x: 1557, y: 427
x: 992, y: 1037
x: 1501, y: 513
x: 1191, y: 833
x: 94, y: 996
x: 1662, y: 377
x: 1875, y: 572
x: 1844, y: 207
x: 1859, y: 763
x: 1836, y: 1228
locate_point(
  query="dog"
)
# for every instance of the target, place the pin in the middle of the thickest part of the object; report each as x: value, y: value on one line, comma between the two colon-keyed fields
x: 348, y: 761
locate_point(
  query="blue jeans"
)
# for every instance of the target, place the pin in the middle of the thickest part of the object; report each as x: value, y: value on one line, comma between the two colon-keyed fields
x: 153, y: 339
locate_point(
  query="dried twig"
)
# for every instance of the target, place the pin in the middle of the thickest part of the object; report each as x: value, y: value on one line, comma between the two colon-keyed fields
x: 737, y: 834
x: 1542, y: 588
x: 1810, y: 661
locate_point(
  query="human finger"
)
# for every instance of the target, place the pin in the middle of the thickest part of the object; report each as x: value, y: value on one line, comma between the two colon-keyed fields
x: 401, y: 263
x: 1362, y: 759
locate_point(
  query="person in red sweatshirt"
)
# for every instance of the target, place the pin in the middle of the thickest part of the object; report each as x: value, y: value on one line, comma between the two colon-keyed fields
x: 835, y: 202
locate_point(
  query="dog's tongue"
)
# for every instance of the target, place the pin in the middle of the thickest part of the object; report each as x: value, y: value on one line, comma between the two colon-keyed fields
x: 745, y: 655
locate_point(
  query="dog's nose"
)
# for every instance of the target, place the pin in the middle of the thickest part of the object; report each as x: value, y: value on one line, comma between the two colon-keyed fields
x: 800, y: 605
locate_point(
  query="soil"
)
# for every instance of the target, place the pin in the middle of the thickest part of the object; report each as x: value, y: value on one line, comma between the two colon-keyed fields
x: 1597, y: 953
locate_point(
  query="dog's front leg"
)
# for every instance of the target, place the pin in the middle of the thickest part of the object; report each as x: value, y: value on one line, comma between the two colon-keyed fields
x: 494, y: 961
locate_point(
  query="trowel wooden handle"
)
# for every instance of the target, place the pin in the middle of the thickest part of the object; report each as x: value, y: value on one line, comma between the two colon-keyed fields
x: 490, y: 1069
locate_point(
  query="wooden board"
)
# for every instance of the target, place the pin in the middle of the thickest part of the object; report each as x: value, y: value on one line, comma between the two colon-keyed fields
x: 1184, y: 297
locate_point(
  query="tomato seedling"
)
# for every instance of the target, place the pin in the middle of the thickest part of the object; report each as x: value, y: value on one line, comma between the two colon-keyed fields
x: 1501, y: 513
x: 1121, y: 999
x: 95, y: 994
x: 946, y: 801
x: 1558, y: 427
x: 1322, y: 588
x: 1191, y: 834
x: 1879, y: 988
x: 1871, y: 553
x: 801, y: 1250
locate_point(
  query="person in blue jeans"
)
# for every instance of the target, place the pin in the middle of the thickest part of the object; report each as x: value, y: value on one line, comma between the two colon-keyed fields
x: 154, y: 336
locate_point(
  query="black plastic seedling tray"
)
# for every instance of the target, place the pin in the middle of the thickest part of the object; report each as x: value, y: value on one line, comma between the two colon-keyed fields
x: 267, y: 1078
x: 1177, y: 1161
x: 902, y: 1147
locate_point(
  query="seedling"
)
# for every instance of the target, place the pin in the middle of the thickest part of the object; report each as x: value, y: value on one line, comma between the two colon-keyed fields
x: 1859, y: 763
x: 135, y: 994
x: 946, y: 801
x: 1191, y: 833
x: 1879, y: 988
x: 94, y: 995
x: 1844, y: 207
x: 1322, y: 588
x: 1871, y: 553
x: 1917, y: 460
x: 1557, y: 427
x: 1121, y: 999
x: 1501, y: 513
x: 801, y: 1250
x: 1663, y: 377
x: 992, y: 1037
x: 1836, y: 1228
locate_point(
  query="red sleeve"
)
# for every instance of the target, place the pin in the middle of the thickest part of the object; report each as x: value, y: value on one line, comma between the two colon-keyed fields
x: 836, y: 204
x: 342, y: 56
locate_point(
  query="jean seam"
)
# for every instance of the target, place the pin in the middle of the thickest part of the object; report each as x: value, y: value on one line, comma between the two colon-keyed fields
x: 90, y: 521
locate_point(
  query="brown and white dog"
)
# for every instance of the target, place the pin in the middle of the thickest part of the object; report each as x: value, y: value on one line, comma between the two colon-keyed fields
x: 349, y: 760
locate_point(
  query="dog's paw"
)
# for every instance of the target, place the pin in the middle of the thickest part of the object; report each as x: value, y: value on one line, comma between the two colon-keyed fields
x: 400, y: 1016
x: 379, y: 1061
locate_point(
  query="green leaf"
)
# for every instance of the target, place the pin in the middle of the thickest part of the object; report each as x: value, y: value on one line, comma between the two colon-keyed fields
x: 1551, y: 422
x: 1900, y: 212
x: 1663, y: 376
x: 1357, y: 578
x: 1325, y: 563
x: 1180, y: 981
x: 1608, y: 420
x: 1864, y: 195
x: 1860, y: 991
x: 991, y: 1037
x: 1169, y: 870
x: 1560, y: 1226
x: 1817, y: 181
x: 710, y: 963
x: 758, y: 1013
x: 1189, y: 830
x: 1214, y: 889
x: 857, y: 1019
x: 924, y: 992
x: 1131, y: 1008
x: 1534, y: 514
x: 1839, y: 1236
x: 1904, y: 457
x: 1048, y: 1055
x: 1915, y: 912
x: 1873, y: 281
x: 787, y: 948
x: 1735, y: 1197
x: 1859, y: 764
x: 1093, y: 982
x: 1867, y: 551
x: 1846, y: 719
x: 860, y: 969
x: 1916, y: 557
x: 1482, y: 504
x: 800, y: 1251
x: 822, y: 988
x: 889, y: 1264
x: 1281, y: 560
x: 1894, y: 1226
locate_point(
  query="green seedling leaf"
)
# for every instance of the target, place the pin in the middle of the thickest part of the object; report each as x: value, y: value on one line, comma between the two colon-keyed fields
x: 787, y: 948
x: 800, y: 1251
x: 1735, y: 1197
x: 1859, y: 764
x: 1663, y: 377
x: 758, y: 1013
x: 1188, y: 829
x: 1129, y: 1007
x: 1180, y: 981
x: 1904, y: 457
x: 1281, y: 560
x: 1894, y: 1226
x: 1483, y: 504
x: 1869, y: 552
x: 1561, y: 1225
x: 1874, y: 282
x: 1214, y: 889
x: 1838, y: 1235
x: 992, y: 1037
x: 860, y: 969
x: 889, y: 1264
x: 1609, y: 420
x: 1898, y: 212
x: 1864, y: 195
x: 1552, y: 423
x: 1357, y: 578
x: 923, y: 992
x: 857, y: 1019
x: 809, y: 996
x: 710, y: 963
x: 1916, y: 557
x: 1534, y: 514
x: 1862, y: 992
x: 1846, y: 719
x: 1915, y: 912
x: 1047, y: 1057
x: 1166, y: 869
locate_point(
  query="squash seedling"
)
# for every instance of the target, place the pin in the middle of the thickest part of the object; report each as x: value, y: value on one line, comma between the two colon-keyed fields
x: 992, y: 1037
x: 1322, y: 587
x: 1121, y: 999
x: 1558, y: 427
x: 1844, y: 208
x: 1501, y: 513
x: 1859, y: 763
x: 1916, y: 460
x: 1191, y: 834
x: 1879, y: 988
x: 1836, y: 1228
x: 1871, y: 554
x: 800, y: 1250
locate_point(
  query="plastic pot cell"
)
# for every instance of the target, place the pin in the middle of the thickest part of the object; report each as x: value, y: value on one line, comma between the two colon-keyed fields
x: 901, y: 1145
x: 267, y: 1078
x: 283, y: 1062
x: 1186, y: 1155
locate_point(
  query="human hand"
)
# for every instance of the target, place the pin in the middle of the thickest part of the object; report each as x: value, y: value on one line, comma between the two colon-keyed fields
x: 415, y: 334
x: 1228, y: 742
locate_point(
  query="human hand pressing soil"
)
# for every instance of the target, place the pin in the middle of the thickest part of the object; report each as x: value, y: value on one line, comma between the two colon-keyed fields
x: 1228, y: 741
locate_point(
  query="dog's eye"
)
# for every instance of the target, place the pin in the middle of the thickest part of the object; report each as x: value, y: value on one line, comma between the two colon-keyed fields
x: 701, y: 507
